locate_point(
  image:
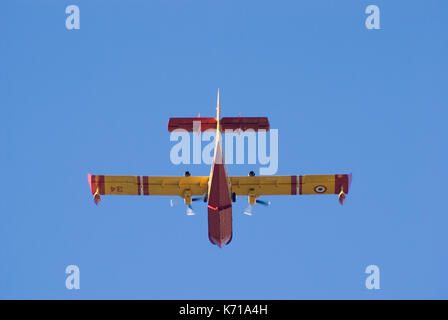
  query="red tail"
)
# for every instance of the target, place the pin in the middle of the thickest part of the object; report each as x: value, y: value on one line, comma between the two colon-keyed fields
x: 187, y: 124
x: 226, y: 123
x: 245, y: 123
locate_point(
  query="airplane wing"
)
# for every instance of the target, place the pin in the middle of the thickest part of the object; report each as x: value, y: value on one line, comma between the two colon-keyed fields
x: 146, y: 185
x: 255, y: 186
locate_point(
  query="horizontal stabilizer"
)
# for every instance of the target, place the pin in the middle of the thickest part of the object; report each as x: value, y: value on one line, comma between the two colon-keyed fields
x: 189, y: 124
x: 244, y: 123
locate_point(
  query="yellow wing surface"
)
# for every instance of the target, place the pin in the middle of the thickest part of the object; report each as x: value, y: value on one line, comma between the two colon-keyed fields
x: 145, y: 185
x: 251, y: 186
x: 256, y: 186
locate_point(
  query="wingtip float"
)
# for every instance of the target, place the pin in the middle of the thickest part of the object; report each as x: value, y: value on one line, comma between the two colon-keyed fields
x: 220, y: 190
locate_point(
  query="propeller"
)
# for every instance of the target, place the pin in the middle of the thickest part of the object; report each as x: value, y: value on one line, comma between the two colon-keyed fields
x: 203, y: 198
x: 264, y: 203
x: 190, y: 211
x: 248, y: 210
x: 173, y: 202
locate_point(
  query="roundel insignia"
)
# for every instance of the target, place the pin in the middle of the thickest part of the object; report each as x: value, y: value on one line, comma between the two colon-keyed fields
x: 320, y: 189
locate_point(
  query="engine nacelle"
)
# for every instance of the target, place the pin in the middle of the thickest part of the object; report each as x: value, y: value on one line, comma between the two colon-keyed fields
x: 252, y: 197
x: 187, y: 197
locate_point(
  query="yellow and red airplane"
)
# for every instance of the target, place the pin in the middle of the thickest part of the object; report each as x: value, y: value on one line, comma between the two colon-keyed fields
x: 219, y: 189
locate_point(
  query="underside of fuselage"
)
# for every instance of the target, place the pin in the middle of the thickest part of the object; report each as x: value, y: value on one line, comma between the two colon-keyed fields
x: 219, y: 208
x: 219, y: 200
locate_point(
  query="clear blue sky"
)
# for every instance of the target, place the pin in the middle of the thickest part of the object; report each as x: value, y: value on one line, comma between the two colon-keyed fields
x: 344, y: 98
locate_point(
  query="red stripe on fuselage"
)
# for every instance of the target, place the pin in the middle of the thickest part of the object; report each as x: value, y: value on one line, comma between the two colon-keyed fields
x: 300, y: 184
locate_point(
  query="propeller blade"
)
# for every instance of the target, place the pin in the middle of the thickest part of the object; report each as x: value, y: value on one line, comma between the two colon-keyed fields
x: 173, y: 202
x: 190, y: 211
x: 264, y: 203
x: 248, y: 210
x: 203, y: 198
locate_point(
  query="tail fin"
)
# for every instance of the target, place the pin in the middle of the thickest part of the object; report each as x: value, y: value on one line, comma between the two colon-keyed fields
x: 218, y: 109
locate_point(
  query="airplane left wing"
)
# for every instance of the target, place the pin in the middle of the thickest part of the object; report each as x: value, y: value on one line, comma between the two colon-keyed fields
x: 184, y: 187
x: 255, y: 186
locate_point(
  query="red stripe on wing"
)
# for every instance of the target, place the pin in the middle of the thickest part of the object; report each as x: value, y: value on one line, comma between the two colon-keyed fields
x: 145, y: 186
x: 139, y: 185
x: 293, y: 185
x: 92, y: 182
x: 102, y: 185
x: 342, y: 182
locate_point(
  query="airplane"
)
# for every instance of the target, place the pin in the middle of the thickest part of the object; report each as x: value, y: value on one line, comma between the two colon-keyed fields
x: 219, y: 189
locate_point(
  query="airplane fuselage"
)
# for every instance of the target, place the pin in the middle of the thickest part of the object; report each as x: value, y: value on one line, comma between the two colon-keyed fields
x: 219, y: 197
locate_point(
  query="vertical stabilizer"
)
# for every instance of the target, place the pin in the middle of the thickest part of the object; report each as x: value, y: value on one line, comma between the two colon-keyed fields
x: 218, y: 109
